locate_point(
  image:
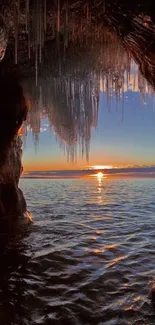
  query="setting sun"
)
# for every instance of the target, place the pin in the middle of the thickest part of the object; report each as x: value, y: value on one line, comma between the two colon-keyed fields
x: 100, y: 175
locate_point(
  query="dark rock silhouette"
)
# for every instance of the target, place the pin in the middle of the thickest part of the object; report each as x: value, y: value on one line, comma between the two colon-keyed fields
x: 13, y: 112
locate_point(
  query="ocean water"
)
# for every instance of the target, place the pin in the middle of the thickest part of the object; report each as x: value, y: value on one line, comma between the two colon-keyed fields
x: 88, y: 257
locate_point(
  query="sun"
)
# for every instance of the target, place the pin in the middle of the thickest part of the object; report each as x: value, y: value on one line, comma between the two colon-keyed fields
x: 99, y: 175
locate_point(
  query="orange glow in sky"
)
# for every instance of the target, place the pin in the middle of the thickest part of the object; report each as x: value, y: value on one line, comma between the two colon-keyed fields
x: 101, y: 167
x: 39, y: 165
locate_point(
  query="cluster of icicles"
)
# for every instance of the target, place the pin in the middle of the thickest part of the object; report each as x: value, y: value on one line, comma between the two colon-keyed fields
x: 34, y: 17
x: 42, y: 24
x: 73, y: 114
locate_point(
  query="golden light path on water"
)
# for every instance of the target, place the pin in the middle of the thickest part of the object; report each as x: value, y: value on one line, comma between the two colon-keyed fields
x: 100, y: 175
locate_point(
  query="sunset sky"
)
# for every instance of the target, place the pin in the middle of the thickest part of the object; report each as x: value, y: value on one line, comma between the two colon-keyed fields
x: 114, y: 142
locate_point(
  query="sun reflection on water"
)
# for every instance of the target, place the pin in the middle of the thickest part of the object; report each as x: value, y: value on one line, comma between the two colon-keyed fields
x: 100, y: 176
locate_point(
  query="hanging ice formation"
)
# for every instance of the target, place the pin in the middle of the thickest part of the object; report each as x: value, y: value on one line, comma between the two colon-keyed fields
x: 106, y: 67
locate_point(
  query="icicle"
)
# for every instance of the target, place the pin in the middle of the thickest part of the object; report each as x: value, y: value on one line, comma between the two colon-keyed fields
x: 66, y: 25
x: 40, y: 98
x: 67, y: 13
x: 153, y: 107
x: 40, y: 33
x: 29, y: 44
x: 18, y: 10
x: 104, y: 10
x: 87, y: 12
x: 28, y: 27
x: 38, y: 21
x: 53, y: 23
x: 45, y: 16
x: 58, y: 16
x: 27, y: 15
x: 26, y: 18
x: 34, y: 22
x: 36, y: 40
x: 123, y: 103
x: 16, y: 31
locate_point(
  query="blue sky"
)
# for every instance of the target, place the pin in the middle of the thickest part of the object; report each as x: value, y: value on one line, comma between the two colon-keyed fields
x: 114, y: 142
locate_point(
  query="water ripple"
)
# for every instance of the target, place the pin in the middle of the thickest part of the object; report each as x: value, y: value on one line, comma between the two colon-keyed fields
x: 85, y: 260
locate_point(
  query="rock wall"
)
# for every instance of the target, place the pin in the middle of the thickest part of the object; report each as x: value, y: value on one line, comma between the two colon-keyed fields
x: 13, y: 112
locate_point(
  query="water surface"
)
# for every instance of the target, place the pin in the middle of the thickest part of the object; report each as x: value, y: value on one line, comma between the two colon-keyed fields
x: 88, y: 258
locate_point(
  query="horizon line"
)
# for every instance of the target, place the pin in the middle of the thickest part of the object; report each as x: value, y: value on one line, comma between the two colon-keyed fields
x: 91, y: 168
x: 145, y: 171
